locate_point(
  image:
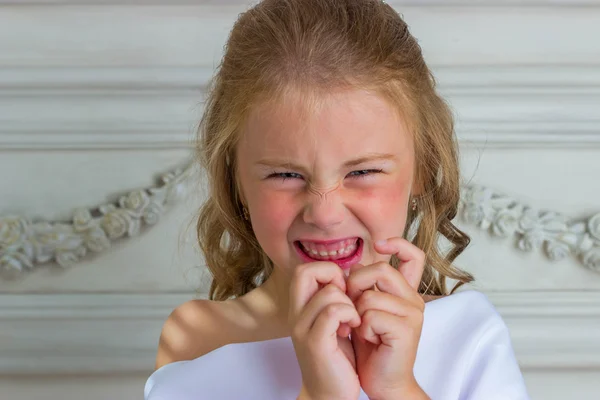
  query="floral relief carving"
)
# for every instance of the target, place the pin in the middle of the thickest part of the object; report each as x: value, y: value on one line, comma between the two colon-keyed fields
x: 25, y: 244
x: 550, y: 231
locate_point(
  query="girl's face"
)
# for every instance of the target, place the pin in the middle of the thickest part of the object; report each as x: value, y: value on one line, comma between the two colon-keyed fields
x: 328, y: 186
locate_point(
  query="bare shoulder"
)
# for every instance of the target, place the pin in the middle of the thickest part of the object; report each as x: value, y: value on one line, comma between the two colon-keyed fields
x: 193, y: 329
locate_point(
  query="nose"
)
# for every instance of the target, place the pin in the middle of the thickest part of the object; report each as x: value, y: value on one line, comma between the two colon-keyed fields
x: 324, y: 211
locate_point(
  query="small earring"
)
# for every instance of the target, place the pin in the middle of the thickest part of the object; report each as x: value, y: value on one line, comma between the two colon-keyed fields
x: 246, y: 214
x: 414, y: 204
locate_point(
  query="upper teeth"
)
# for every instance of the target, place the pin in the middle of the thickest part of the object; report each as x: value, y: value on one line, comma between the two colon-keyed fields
x: 346, y: 246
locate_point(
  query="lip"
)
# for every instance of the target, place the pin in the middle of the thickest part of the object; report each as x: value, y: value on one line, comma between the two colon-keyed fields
x: 344, y: 263
x: 324, y: 242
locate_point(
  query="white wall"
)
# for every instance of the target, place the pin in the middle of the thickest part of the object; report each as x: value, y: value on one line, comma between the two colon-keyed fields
x: 97, y: 98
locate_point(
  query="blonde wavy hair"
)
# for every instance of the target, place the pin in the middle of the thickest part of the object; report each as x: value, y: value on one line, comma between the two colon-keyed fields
x: 313, y: 47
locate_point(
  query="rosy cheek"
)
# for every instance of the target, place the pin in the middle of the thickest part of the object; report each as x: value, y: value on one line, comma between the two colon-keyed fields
x: 274, y: 210
x: 382, y: 200
x: 380, y: 209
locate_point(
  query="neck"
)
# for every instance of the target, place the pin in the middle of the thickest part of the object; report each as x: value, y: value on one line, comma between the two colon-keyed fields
x: 269, y: 303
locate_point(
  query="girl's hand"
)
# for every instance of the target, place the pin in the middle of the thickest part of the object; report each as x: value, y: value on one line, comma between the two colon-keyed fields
x: 321, y: 320
x: 391, y: 310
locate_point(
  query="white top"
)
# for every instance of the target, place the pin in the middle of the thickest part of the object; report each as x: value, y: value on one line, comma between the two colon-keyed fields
x: 464, y: 353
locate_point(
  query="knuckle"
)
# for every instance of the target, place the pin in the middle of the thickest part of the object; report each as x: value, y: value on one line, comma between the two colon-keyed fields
x: 334, y: 293
x: 297, y: 275
x: 330, y: 290
x: 367, y: 298
x: 362, y: 305
x: 300, y: 270
x: 368, y: 316
x: 327, y: 294
x: 332, y: 310
x: 382, y: 267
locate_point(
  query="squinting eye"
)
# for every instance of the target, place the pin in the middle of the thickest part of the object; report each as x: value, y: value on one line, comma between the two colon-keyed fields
x: 364, y: 173
x: 285, y: 175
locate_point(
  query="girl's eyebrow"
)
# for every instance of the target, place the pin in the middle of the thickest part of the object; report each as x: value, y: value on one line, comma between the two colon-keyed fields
x: 370, y: 157
x: 284, y: 163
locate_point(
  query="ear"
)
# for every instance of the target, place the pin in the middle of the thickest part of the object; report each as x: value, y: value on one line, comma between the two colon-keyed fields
x: 417, y: 188
x: 240, y: 193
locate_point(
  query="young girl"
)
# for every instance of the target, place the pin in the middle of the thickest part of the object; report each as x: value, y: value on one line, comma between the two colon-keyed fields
x: 332, y: 169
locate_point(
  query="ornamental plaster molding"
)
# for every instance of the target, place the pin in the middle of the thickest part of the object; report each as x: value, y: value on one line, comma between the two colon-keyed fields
x: 557, y: 235
x: 24, y: 245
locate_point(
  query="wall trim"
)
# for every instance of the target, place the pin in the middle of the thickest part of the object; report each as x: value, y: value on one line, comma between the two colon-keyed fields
x: 125, y: 108
x: 118, y: 333
x: 26, y: 244
x: 557, y: 235
x: 460, y: 79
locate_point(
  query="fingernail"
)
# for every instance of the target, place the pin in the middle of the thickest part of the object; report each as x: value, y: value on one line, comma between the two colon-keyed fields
x: 381, y: 242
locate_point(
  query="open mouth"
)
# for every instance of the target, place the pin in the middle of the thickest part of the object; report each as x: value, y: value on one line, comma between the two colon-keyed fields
x: 344, y: 255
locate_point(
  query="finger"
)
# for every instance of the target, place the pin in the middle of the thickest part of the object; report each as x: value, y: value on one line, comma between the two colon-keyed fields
x: 381, y: 301
x: 344, y: 330
x: 385, y: 278
x: 306, y: 280
x: 412, y: 259
x: 330, y: 294
x: 380, y: 327
x: 329, y: 320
